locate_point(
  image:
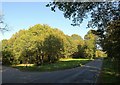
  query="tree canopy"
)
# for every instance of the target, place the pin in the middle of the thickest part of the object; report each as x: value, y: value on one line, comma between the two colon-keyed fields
x: 101, y: 13
x: 38, y: 44
x: 111, y: 43
x: 90, y: 44
x: 42, y: 43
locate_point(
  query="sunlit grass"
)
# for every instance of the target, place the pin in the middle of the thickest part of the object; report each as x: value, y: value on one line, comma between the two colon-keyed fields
x: 72, y: 59
x: 60, y: 65
x: 25, y: 65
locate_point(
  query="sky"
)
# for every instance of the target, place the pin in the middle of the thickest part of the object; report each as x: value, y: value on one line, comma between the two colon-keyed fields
x: 22, y: 15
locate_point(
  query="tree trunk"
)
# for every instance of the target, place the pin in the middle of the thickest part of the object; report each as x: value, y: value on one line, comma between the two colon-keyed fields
x: 41, y: 59
x: 49, y: 59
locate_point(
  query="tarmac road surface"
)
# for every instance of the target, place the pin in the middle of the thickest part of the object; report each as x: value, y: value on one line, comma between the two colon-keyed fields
x: 85, y: 74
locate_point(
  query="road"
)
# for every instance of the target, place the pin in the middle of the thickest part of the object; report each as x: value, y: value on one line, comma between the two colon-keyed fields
x: 85, y: 74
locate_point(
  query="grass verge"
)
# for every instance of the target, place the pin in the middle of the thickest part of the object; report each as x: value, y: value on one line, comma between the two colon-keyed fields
x: 60, y: 65
x: 109, y: 73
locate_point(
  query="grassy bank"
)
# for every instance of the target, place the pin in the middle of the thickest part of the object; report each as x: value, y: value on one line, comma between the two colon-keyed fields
x: 60, y: 65
x: 109, y: 73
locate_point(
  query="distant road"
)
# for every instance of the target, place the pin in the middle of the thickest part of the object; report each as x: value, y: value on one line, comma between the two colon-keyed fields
x: 86, y: 74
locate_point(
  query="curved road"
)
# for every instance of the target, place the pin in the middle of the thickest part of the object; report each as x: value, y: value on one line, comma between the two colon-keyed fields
x: 85, y: 74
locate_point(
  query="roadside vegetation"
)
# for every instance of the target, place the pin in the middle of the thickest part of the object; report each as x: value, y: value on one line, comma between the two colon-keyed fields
x: 109, y: 73
x: 43, y: 45
x: 59, y: 65
x: 111, y: 44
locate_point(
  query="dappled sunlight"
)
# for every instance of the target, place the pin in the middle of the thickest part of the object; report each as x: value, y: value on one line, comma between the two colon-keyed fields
x: 25, y: 65
x: 60, y: 65
x: 72, y: 59
x: 110, y: 73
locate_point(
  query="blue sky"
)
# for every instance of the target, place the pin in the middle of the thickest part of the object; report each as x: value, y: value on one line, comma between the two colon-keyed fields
x: 22, y: 15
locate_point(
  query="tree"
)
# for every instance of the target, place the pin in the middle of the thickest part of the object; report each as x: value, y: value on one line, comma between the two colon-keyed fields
x: 101, y: 12
x: 90, y: 45
x: 7, y: 53
x: 53, y: 46
x: 111, y: 43
x: 79, y: 42
x: 112, y: 40
x: 32, y: 45
x: 3, y: 25
x: 77, y: 39
x: 69, y: 47
x: 100, y: 53
x: 40, y: 44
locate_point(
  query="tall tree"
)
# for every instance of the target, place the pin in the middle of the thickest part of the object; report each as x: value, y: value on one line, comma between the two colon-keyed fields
x: 112, y: 41
x: 7, y: 54
x: 101, y: 12
x: 90, y: 45
x: 53, y: 47
x: 79, y: 42
x: 111, y: 44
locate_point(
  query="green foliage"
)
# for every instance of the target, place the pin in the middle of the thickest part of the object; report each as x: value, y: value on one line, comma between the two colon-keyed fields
x: 38, y: 45
x: 42, y: 44
x: 105, y: 17
x: 70, y: 47
x: 53, y: 46
x: 79, y: 44
x: 90, y: 45
x: 101, y: 13
x: 109, y: 73
x: 7, y: 53
x: 59, y: 65
x: 112, y: 41
x: 100, y: 53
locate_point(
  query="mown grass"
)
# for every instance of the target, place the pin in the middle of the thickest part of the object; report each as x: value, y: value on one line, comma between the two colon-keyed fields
x: 109, y: 73
x: 60, y: 65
